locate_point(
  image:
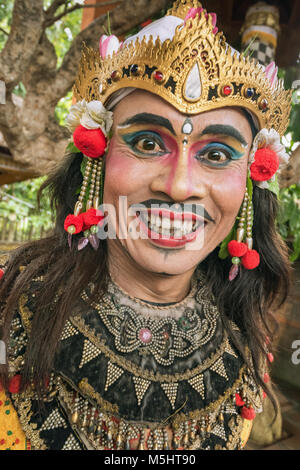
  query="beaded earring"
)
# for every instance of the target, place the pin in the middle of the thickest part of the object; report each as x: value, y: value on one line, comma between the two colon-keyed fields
x: 241, y: 249
x: 90, y: 197
x: 90, y: 124
x: 267, y: 156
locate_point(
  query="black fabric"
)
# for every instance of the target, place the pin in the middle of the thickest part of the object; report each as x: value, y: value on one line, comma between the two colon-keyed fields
x: 155, y: 406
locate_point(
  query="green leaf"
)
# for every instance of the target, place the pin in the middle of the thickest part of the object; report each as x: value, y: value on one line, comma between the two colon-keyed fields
x: 249, y: 185
x: 274, y: 186
x: 71, y: 148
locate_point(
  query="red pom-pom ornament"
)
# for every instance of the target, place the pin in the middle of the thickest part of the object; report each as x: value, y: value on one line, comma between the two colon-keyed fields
x: 73, y: 224
x: 1, y: 273
x: 248, y: 413
x: 14, y: 384
x: 237, y: 248
x: 91, y: 142
x: 92, y: 217
x: 238, y: 400
x: 265, y: 165
x: 251, y: 259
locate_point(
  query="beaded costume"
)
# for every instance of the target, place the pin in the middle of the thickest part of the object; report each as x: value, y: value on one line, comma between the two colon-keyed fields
x: 185, y: 378
x: 130, y: 374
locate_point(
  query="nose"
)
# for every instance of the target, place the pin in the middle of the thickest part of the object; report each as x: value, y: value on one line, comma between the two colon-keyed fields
x: 181, y: 179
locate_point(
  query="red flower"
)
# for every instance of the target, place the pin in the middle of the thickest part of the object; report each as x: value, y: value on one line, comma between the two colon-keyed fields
x: 92, y: 217
x: 76, y: 220
x: 251, y: 259
x: 237, y: 248
x: 248, y: 413
x: 238, y: 400
x: 91, y: 142
x: 14, y: 384
x: 1, y: 273
x: 265, y: 165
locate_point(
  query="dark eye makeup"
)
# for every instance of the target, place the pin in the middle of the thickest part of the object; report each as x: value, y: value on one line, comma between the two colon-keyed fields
x: 218, y: 154
x: 145, y: 143
x: 151, y: 144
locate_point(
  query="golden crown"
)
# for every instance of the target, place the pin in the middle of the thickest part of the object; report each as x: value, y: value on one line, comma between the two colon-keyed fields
x: 226, y: 78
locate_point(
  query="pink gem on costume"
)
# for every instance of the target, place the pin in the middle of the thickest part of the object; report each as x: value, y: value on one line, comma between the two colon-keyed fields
x: 145, y: 335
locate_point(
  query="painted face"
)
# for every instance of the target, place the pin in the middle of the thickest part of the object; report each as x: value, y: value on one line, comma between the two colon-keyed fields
x: 198, y: 163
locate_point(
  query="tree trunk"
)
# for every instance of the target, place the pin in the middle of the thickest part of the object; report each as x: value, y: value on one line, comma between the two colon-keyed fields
x: 29, y: 127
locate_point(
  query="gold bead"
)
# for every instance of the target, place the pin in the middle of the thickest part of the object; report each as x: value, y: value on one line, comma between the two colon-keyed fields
x: 75, y: 417
x: 89, y: 205
x: 78, y: 207
x: 240, y: 234
x: 249, y: 242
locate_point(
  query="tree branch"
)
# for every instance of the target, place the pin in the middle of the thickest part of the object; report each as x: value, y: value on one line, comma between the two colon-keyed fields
x: 123, y: 18
x: 25, y: 33
x: 51, y: 20
x: 3, y: 31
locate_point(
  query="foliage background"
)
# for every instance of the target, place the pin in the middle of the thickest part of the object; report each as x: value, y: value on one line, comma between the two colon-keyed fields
x: 24, y: 205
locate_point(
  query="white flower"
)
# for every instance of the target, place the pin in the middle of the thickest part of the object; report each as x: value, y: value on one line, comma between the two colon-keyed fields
x: 269, y: 138
x: 92, y: 115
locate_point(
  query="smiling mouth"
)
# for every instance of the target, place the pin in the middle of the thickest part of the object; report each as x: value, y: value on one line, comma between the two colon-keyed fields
x: 166, y: 224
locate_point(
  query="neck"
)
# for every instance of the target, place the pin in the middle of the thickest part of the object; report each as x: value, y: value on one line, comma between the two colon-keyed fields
x: 147, y: 285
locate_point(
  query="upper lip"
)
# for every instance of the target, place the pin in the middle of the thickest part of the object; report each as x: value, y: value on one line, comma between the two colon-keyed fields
x: 181, y: 211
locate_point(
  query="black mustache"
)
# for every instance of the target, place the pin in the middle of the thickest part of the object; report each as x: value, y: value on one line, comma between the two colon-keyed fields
x: 175, y: 206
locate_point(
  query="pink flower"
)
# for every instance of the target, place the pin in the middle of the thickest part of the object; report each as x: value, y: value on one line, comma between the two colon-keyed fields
x: 192, y: 13
x: 197, y: 11
x: 271, y: 71
x: 108, y: 45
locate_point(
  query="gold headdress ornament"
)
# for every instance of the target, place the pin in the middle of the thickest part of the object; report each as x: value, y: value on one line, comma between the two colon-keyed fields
x: 226, y: 78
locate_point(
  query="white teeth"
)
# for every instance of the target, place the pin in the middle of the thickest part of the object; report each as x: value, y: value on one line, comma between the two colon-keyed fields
x: 168, y: 227
x: 188, y: 226
x: 177, y: 223
x: 177, y: 233
x: 166, y: 223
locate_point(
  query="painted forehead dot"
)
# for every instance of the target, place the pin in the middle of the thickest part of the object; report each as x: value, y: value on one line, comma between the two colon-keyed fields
x: 187, y: 127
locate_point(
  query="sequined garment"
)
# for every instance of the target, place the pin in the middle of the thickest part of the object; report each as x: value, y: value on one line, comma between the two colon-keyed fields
x: 130, y: 375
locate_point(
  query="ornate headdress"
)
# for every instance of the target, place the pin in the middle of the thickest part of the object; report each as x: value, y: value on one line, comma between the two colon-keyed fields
x: 185, y: 60
x: 225, y: 77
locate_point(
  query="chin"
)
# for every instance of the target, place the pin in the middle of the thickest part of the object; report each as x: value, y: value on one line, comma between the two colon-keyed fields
x: 166, y: 261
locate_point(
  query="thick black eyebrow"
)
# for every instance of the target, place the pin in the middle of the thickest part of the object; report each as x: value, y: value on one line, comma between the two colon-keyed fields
x: 148, y: 118
x: 224, y: 130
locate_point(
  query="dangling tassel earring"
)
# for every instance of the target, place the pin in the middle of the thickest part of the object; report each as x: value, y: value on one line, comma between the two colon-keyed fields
x: 90, y: 124
x: 88, y: 221
x: 241, y: 249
